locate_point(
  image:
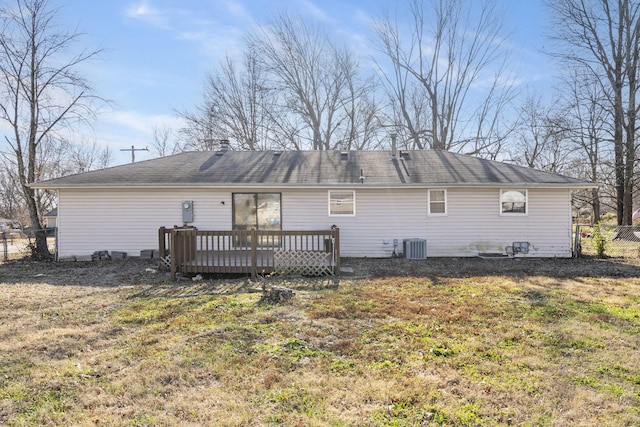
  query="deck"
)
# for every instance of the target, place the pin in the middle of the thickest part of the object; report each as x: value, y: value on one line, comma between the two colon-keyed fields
x: 189, y: 250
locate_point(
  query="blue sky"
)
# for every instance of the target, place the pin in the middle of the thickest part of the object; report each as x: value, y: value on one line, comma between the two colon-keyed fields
x: 158, y: 52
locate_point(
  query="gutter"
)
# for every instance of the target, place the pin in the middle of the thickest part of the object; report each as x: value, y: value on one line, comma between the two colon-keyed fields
x: 576, y: 186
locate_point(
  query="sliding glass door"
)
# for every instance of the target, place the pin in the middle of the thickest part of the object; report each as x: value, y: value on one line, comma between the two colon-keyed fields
x: 257, y: 211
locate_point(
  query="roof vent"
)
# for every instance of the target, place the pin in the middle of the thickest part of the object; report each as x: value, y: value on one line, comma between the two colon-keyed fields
x: 344, y: 155
x: 404, y: 155
x: 393, y: 144
x: 277, y: 154
x: 224, y: 145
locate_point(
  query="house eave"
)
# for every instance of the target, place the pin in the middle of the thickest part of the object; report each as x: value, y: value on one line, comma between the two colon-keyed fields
x: 572, y: 186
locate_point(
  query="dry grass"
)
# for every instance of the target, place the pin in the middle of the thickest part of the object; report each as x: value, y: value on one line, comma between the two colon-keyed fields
x: 441, y: 342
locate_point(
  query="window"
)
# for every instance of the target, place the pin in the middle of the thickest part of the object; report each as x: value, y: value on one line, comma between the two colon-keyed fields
x: 437, y: 202
x: 342, y: 203
x: 513, y: 202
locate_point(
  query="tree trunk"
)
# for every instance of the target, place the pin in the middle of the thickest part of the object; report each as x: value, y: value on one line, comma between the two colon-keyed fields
x: 40, y: 249
x: 618, y: 122
x: 595, y: 204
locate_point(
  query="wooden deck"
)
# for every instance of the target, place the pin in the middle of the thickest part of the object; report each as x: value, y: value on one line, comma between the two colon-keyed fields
x: 192, y: 251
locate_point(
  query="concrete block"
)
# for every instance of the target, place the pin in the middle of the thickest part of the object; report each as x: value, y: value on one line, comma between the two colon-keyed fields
x: 100, y: 255
x: 146, y: 254
x: 118, y: 255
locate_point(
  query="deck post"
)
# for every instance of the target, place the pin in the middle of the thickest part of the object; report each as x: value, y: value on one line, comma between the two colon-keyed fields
x: 161, y: 243
x: 336, y: 251
x: 254, y: 255
x: 173, y: 252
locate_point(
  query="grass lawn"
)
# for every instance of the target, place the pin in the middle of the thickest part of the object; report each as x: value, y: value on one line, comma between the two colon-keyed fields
x: 405, y: 344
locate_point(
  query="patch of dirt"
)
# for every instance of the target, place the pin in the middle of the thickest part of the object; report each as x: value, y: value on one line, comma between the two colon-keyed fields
x: 108, y: 273
x: 464, y: 267
x: 144, y: 272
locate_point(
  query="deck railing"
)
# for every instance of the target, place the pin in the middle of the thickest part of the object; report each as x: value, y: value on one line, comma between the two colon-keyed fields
x: 253, y: 252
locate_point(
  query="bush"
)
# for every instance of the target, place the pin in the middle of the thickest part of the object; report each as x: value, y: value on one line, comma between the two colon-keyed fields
x: 599, y: 241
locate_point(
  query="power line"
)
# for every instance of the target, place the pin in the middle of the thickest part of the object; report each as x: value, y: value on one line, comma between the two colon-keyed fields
x: 133, y: 152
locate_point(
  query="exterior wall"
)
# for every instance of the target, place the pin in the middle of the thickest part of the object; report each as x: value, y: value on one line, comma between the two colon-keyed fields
x: 474, y: 224
x: 128, y: 220
x: 381, y: 216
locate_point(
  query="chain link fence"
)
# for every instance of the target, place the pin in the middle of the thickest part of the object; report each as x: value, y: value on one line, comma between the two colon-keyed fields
x: 619, y: 241
x: 16, y: 245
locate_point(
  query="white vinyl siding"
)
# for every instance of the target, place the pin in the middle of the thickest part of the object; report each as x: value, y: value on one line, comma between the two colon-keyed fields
x: 474, y: 225
x: 128, y: 220
x: 382, y: 215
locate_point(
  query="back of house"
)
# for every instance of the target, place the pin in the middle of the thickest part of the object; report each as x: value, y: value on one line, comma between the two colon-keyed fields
x: 426, y: 203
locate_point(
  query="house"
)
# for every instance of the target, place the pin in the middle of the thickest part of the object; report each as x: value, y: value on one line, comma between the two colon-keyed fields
x: 10, y: 226
x: 456, y: 205
x: 51, y: 218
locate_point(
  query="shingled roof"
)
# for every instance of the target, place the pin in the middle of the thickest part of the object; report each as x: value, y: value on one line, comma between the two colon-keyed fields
x: 315, y: 168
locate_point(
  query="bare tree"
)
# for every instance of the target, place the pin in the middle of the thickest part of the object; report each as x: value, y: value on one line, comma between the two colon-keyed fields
x: 437, y: 69
x: 362, y: 123
x: 408, y: 113
x: 83, y: 157
x: 317, y: 85
x: 200, y: 131
x: 53, y: 160
x: 162, y: 143
x: 603, y: 37
x: 10, y: 197
x: 237, y: 106
x: 541, y: 137
x: 41, y: 91
x: 590, y: 124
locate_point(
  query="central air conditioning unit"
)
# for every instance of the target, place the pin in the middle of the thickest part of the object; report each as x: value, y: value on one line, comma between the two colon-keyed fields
x: 414, y: 248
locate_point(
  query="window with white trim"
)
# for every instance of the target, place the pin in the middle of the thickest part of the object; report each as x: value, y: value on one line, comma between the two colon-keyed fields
x: 342, y: 203
x: 437, y: 202
x: 513, y: 202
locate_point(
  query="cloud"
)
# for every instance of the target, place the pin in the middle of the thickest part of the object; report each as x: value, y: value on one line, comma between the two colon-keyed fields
x: 139, y: 123
x: 314, y: 11
x: 212, y: 28
x: 119, y: 130
x: 146, y: 13
x: 236, y: 9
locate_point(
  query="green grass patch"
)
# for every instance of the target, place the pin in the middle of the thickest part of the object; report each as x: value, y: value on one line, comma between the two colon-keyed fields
x: 395, y: 351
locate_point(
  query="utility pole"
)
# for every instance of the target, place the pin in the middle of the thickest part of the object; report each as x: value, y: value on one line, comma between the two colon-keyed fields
x: 133, y: 152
